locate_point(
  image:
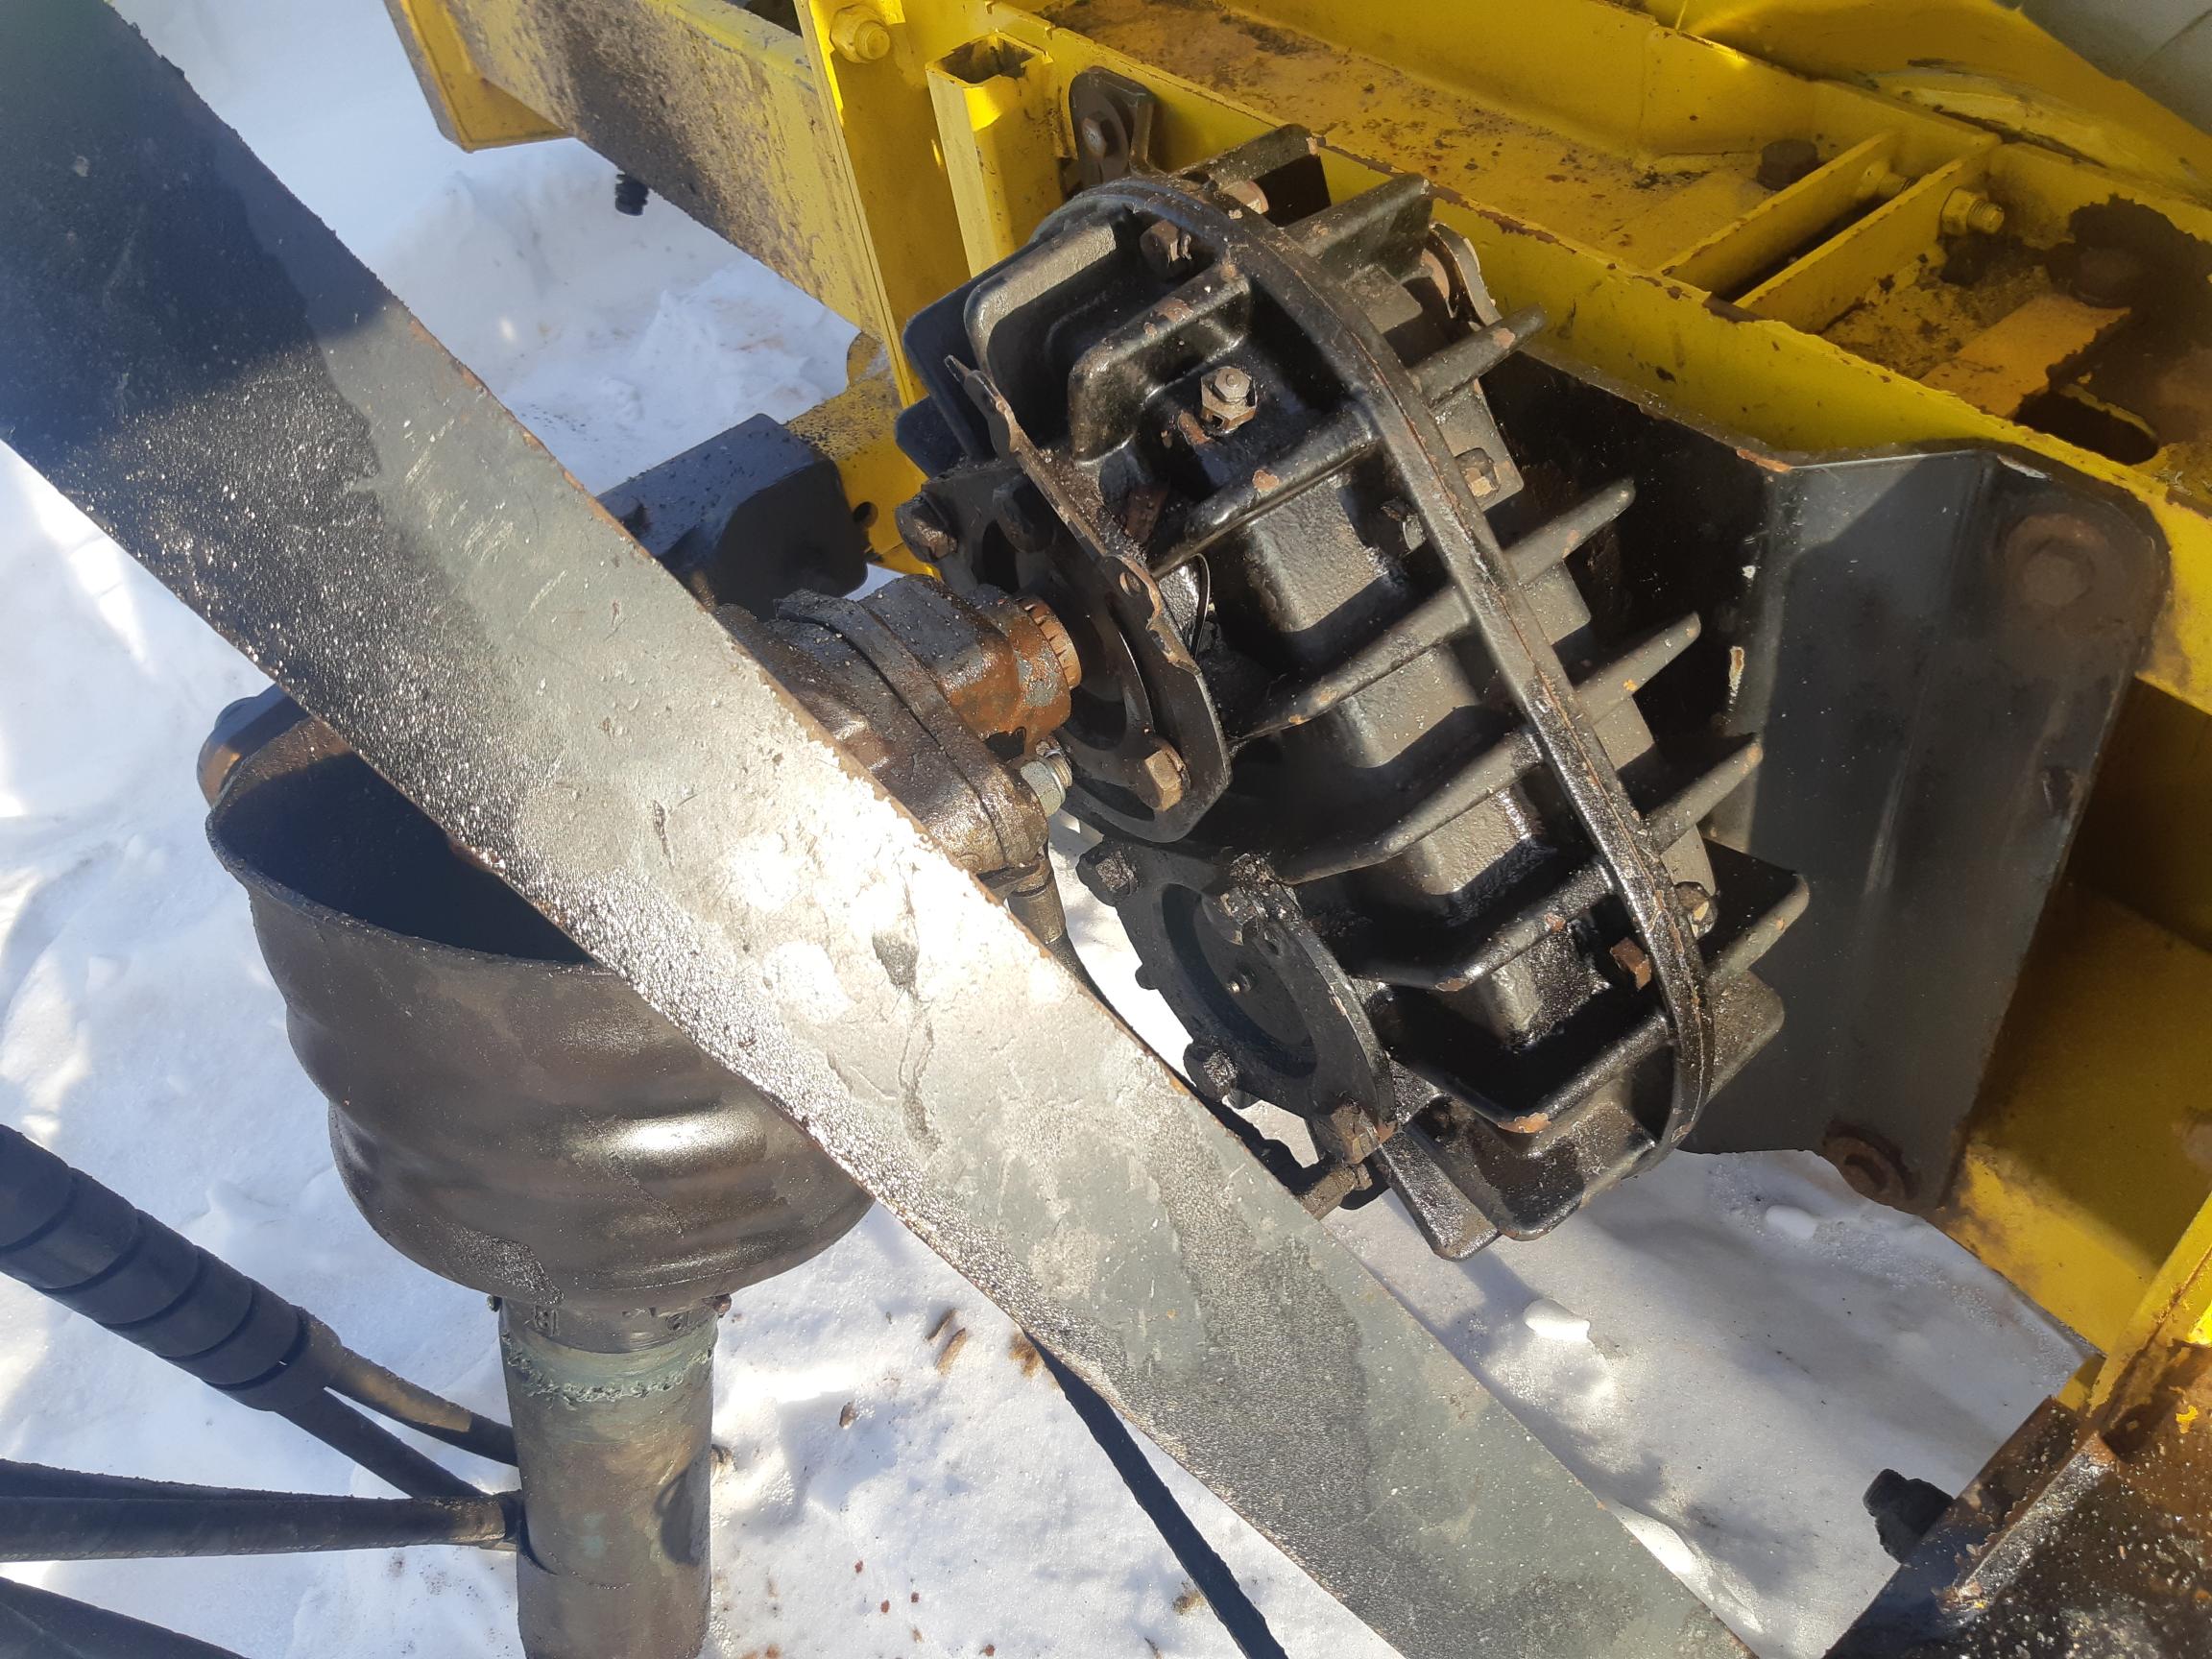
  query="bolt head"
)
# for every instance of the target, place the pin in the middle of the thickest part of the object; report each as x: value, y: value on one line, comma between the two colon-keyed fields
x: 1161, y: 779
x: 1210, y: 1070
x: 1109, y: 874
x: 1226, y: 397
x: 859, y: 34
x: 1228, y: 913
x: 1046, y: 780
x: 1696, y: 905
x: 1166, y: 248
x: 1097, y: 140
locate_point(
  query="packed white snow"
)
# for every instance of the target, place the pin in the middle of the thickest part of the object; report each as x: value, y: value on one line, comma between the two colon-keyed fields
x: 1750, y: 1343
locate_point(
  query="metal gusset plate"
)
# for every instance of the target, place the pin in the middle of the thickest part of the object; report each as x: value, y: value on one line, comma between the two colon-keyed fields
x: 203, y: 368
x: 1932, y: 645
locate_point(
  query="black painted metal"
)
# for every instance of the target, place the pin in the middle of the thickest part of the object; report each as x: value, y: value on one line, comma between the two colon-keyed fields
x: 390, y: 1395
x: 241, y: 407
x: 746, y: 517
x: 110, y: 1527
x: 76, y: 1242
x: 1932, y: 645
x: 39, y: 1624
x: 1234, y: 432
x: 506, y: 1113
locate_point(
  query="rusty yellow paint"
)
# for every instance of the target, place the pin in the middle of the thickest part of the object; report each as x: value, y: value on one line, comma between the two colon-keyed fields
x: 1814, y: 291
x: 1774, y: 229
x: 2175, y: 1311
x: 2091, y: 1149
x: 467, y: 108
x: 713, y: 107
x: 892, y: 164
x: 853, y: 430
x: 999, y: 126
x: 2015, y: 357
x: 1975, y: 59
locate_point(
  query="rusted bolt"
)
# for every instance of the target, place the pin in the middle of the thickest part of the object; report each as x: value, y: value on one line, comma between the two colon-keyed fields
x: 1210, y: 1070
x: 1246, y: 194
x: 1108, y: 875
x: 1965, y: 210
x: 1229, y: 912
x: 1696, y: 905
x: 859, y: 34
x: 1226, y: 397
x: 1480, y: 472
x: 1166, y: 248
x: 1870, y: 1162
x: 1096, y: 137
x: 1356, y: 1131
x: 1635, y: 964
x: 1159, y: 778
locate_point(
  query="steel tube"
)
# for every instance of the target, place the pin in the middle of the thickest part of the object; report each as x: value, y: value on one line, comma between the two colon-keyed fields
x: 612, y: 1439
x: 240, y: 1524
x: 38, y: 1621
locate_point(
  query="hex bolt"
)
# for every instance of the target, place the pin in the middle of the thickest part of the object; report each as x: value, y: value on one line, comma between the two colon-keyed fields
x: 1109, y: 876
x: 1969, y: 210
x: 1097, y: 140
x: 1226, y: 397
x: 1164, y: 247
x: 1228, y: 913
x: 1048, y: 778
x: 1246, y: 194
x: 859, y: 34
x: 1480, y: 472
x: 1785, y: 161
x: 1159, y: 778
x: 1210, y: 1070
x: 1696, y: 905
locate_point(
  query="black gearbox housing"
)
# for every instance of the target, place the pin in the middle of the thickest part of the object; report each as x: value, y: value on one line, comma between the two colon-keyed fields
x: 1378, y: 807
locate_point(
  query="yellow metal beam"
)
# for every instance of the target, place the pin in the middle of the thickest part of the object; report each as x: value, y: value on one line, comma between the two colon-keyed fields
x: 999, y: 123
x: 467, y: 108
x: 712, y: 105
x: 2092, y: 1147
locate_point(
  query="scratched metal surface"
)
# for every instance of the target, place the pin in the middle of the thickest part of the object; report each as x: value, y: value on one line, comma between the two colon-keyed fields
x: 203, y: 368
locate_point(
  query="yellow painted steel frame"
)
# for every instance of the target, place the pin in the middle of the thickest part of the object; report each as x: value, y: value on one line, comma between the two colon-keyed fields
x: 1604, y: 162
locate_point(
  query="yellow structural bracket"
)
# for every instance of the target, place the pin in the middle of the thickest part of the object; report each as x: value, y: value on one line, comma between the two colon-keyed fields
x: 467, y: 108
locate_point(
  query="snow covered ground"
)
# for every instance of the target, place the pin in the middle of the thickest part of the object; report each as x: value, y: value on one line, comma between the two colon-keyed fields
x: 1726, y: 1350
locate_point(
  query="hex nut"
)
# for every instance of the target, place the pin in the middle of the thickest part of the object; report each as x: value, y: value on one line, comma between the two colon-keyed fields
x: 1048, y: 778
x: 1969, y: 210
x: 1109, y: 876
x: 859, y: 34
x: 1210, y: 1070
x: 1226, y: 397
x: 1159, y: 778
x: 1166, y: 248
